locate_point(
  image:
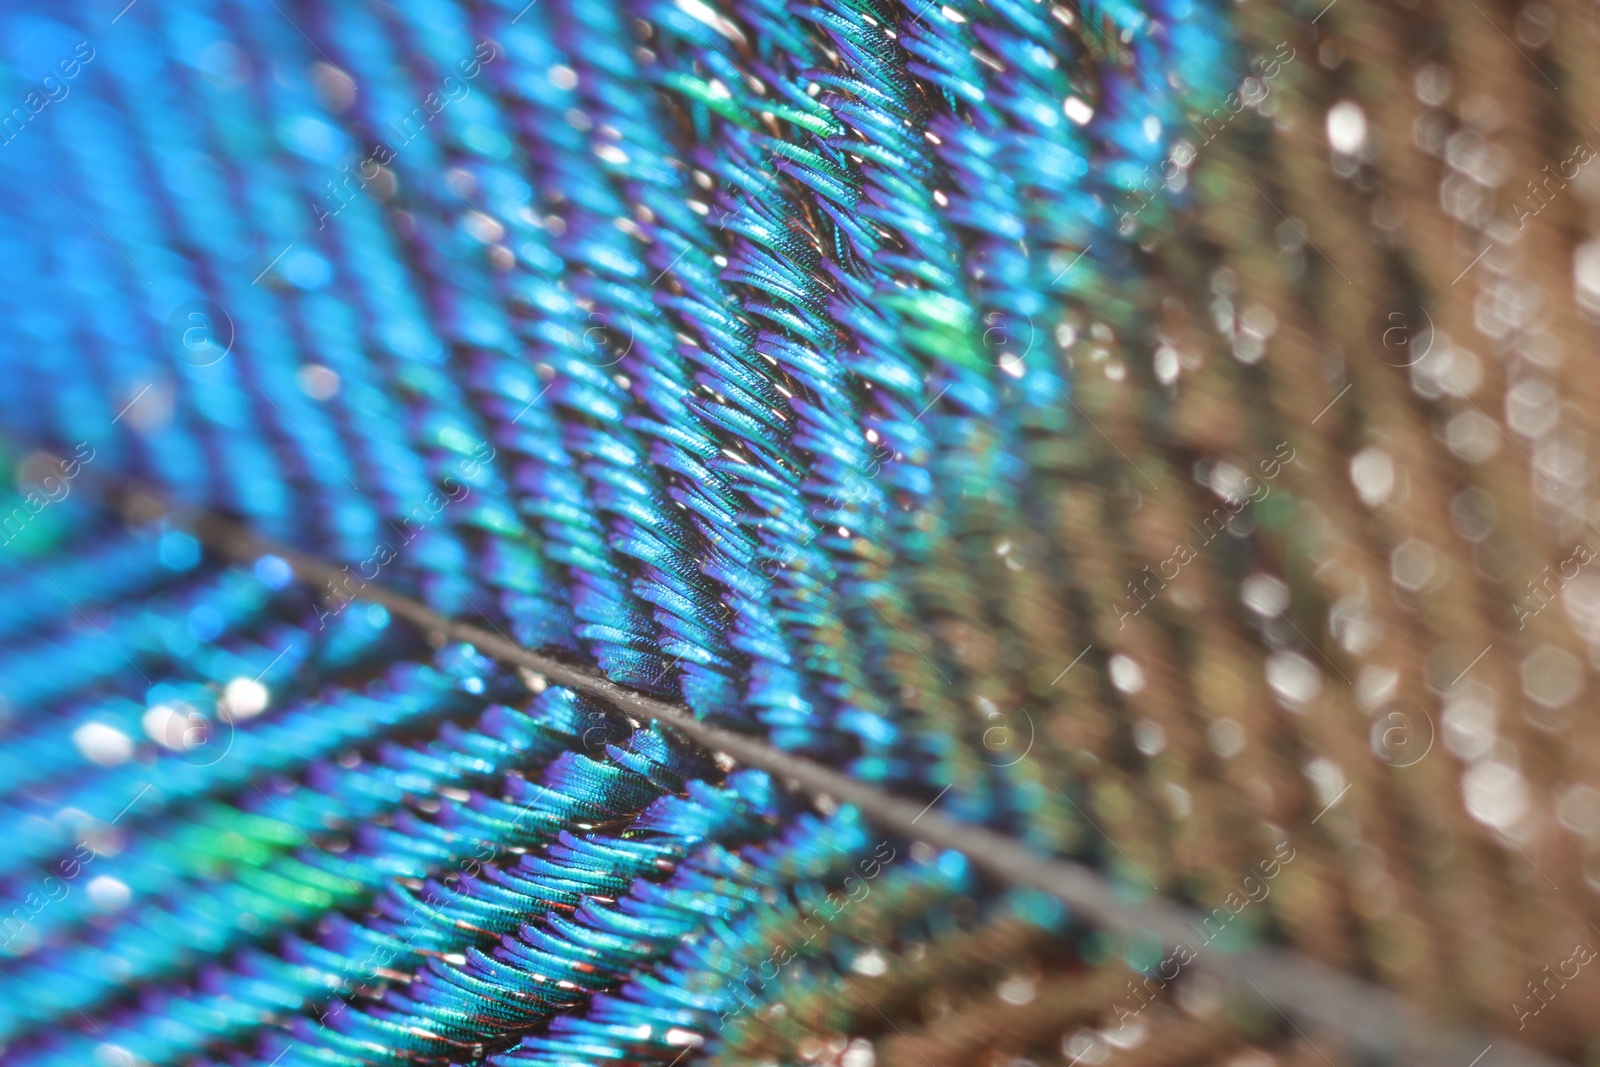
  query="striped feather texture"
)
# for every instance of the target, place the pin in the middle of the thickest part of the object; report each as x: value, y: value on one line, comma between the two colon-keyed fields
x: 1152, y: 435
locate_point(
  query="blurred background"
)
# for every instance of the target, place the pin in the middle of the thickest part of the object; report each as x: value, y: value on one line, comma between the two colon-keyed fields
x: 1155, y: 433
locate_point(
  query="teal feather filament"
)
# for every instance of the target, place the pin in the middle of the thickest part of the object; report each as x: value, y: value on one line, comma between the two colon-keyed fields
x: 657, y: 336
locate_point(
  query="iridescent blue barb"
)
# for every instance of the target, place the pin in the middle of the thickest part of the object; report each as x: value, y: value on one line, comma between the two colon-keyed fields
x: 703, y: 344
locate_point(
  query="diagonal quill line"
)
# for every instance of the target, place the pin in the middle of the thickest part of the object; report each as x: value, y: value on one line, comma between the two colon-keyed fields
x: 1378, y: 1019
